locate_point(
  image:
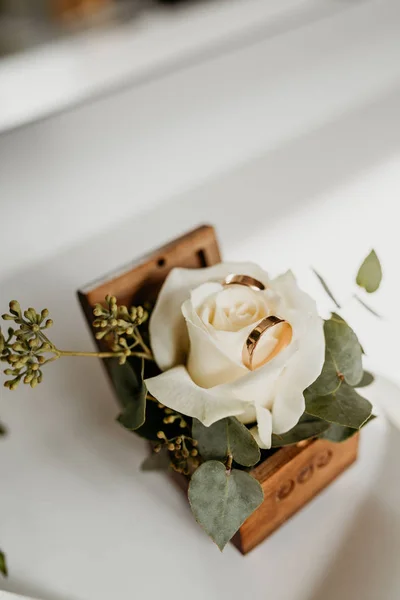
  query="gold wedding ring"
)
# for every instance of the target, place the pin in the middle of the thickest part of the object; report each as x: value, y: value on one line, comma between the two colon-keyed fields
x: 256, y: 334
x: 250, y: 282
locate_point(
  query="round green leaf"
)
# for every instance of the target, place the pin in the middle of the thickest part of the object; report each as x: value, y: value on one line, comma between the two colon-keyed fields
x: 369, y: 275
x: 343, y: 349
x: 337, y: 433
x: 308, y: 427
x: 227, y: 436
x: 345, y: 407
x: 222, y: 500
x: 131, y: 392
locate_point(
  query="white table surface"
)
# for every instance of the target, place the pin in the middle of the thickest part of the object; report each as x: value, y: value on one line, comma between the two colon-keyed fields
x: 80, y: 521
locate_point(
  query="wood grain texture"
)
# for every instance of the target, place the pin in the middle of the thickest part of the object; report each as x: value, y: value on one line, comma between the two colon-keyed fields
x: 141, y: 280
x: 293, y: 475
x: 291, y: 478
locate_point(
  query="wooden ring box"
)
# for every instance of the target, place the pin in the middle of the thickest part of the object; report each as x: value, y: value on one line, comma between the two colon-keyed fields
x: 293, y: 475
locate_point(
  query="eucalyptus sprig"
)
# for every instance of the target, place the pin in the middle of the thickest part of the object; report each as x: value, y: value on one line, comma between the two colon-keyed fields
x: 27, y: 349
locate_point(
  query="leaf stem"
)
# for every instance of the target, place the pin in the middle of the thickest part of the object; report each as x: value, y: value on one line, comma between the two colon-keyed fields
x: 229, y: 462
x: 143, y: 355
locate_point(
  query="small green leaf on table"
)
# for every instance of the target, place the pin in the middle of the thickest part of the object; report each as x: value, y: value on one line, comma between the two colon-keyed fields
x: 369, y: 275
x: 131, y: 392
x: 222, y: 500
x: 345, y: 407
x: 227, y: 436
x: 308, y: 427
x: 366, y: 379
x: 326, y: 288
x: 3, y: 564
x: 157, y: 461
x: 367, y: 307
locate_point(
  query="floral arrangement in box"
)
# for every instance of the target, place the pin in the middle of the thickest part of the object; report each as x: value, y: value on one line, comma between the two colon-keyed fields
x: 226, y: 369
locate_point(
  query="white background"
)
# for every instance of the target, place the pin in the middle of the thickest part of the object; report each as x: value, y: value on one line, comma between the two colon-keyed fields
x: 290, y: 147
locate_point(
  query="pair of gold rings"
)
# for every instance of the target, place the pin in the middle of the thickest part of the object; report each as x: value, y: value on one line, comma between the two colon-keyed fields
x: 254, y: 337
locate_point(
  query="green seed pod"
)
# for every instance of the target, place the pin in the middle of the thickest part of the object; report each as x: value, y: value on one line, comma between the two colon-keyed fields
x: 15, y: 307
x: 44, y: 314
x: 100, y: 334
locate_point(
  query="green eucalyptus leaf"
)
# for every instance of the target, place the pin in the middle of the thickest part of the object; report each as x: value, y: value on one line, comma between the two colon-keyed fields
x: 222, y: 500
x: 343, y: 357
x: 369, y: 275
x: 307, y: 427
x: 157, y: 461
x: 328, y: 381
x: 344, y: 349
x: 3, y: 564
x: 227, y: 436
x: 131, y: 393
x: 366, y: 379
x: 345, y: 407
x: 326, y: 288
x: 337, y: 433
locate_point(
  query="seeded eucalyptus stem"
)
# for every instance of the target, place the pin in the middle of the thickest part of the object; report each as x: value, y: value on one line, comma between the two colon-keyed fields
x: 27, y: 348
x: 60, y: 353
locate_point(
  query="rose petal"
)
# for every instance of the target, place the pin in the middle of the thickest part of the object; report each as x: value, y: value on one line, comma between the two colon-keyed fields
x: 227, y: 344
x: 168, y: 335
x: 264, y: 426
x: 207, y: 365
x: 287, y: 410
x: 177, y: 390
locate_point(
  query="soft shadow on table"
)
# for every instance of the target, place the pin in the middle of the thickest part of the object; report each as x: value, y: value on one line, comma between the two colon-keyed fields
x: 366, y: 565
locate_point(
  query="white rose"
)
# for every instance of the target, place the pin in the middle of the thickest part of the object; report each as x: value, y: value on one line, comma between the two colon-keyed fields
x: 197, y: 331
